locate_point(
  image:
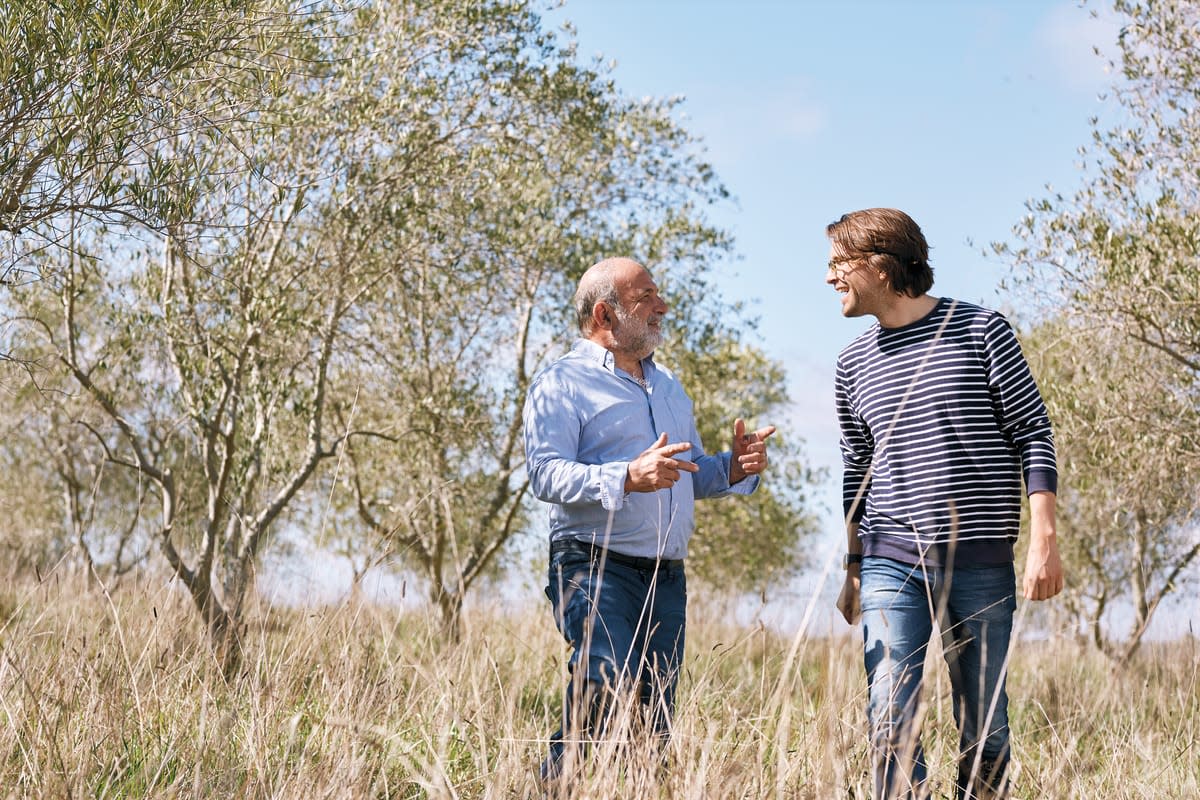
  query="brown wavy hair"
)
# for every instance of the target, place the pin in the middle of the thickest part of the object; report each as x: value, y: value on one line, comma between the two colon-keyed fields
x: 890, y: 241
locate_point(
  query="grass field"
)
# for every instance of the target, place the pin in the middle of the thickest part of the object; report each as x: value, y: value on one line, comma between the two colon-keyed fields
x: 117, y: 697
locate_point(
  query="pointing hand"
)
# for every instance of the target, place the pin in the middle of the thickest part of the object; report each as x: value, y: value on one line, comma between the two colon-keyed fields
x: 657, y: 468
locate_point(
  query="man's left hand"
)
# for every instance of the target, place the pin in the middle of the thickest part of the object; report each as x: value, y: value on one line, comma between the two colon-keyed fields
x: 1043, y: 567
x: 749, y: 451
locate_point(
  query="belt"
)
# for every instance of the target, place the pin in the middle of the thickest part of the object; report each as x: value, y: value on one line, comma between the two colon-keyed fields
x: 611, y: 556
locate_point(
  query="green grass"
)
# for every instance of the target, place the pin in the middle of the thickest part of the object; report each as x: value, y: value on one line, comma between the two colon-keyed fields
x: 123, y: 700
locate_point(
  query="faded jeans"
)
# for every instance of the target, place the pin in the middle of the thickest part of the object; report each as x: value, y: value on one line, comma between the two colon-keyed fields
x: 973, y: 606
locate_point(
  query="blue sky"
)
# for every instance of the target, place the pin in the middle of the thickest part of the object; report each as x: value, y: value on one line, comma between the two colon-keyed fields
x: 956, y: 112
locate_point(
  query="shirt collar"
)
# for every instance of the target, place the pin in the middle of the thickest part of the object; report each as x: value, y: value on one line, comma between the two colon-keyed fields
x: 589, y: 349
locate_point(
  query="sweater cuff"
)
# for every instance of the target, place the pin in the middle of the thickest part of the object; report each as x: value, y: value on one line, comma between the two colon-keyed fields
x: 1041, y: 480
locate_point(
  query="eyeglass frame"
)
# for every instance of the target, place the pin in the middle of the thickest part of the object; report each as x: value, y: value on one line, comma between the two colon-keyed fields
x: 841, y: 273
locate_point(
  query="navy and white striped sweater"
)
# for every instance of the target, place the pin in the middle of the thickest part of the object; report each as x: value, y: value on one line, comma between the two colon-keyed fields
x: 940, y: 421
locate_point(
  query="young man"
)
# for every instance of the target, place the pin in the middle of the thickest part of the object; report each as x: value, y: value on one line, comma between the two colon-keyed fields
x: 611, y: 445
x: 940, y: 421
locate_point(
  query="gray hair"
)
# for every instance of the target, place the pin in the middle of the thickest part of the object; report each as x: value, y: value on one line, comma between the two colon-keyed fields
x: 598, y: 285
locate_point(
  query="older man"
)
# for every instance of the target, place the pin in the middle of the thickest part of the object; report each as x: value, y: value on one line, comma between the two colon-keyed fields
x: 611, y: 445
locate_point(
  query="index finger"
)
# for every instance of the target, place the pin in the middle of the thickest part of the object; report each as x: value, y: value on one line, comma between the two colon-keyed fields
x: 763, y: 433
x: 674, y: 449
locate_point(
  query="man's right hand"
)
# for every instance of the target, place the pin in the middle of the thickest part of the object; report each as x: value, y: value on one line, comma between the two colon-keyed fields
x: 849, y: 600
x: 657, y: 468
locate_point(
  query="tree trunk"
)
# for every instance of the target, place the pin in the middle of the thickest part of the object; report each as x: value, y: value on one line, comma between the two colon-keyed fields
x: 1097, y: 625
x: 1140, y: 591
x: 450, y: 605
x: 223, y: 627
x: 225, y: 638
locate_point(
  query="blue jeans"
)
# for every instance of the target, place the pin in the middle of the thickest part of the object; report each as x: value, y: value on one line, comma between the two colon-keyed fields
x: 973, y: 606
x: 626, y: 625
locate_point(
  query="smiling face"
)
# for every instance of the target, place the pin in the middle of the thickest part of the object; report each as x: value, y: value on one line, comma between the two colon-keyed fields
x: 620, y: 309
x: 637, y: 329
x: 863, y: 290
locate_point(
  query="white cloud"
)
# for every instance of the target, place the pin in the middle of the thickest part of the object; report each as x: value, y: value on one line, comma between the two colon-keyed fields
x: 1068, y: 38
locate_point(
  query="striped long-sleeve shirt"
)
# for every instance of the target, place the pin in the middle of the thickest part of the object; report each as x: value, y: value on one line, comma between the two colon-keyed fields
x: 940, y: 421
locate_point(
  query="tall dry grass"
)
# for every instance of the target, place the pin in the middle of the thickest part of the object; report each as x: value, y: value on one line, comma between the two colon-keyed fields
x: 117, y: 697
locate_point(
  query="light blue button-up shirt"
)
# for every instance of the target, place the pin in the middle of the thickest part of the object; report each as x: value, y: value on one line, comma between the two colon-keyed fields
x: 585, y: 420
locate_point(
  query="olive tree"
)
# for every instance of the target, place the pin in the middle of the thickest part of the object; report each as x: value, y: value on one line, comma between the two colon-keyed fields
x: 1117, y: 264
x: 593, y: 174
x: 1129, y: 503
x: 228, y: 339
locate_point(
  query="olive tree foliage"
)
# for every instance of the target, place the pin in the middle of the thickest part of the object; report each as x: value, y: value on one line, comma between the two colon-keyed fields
x: 1128, y: 502
x: 230, y: 341
x: 1117, y: 265
x: 95, y: 89
x: 60, y: 488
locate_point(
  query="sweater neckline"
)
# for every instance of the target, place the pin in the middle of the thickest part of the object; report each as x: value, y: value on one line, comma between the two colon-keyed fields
x: 940, y: 305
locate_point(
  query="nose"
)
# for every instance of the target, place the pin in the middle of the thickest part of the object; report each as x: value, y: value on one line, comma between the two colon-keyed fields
x: 830, y: 276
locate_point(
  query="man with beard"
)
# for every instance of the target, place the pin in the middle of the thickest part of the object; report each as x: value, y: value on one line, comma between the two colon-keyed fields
x: 611, y: 445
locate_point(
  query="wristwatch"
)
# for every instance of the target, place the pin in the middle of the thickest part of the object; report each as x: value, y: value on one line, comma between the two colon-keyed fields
x: 851, y: 558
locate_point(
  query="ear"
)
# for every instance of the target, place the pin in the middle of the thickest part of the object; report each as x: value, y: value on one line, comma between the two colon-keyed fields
x: 602, y: 316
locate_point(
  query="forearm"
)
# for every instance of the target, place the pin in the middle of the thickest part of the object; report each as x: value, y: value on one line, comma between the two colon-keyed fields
x: 1043, y: 567
x: 849, y: 602
x: 856, y: 483
x: 565, y: 482
x: 853, y: 543
x: 1042, y: 524
x: 715, y: 477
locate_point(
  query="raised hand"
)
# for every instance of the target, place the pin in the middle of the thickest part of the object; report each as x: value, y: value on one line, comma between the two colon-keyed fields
x: 657, y: 468
x: 749, y: 451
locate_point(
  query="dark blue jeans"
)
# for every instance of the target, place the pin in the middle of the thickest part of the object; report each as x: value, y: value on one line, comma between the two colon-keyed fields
x: 626, y: 623
x: 973, y: 607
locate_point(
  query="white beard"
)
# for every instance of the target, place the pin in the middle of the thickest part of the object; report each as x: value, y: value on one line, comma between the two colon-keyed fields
x: 635, y: 336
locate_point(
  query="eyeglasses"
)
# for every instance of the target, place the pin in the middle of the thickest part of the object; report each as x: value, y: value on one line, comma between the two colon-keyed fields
x: 840, y: 271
